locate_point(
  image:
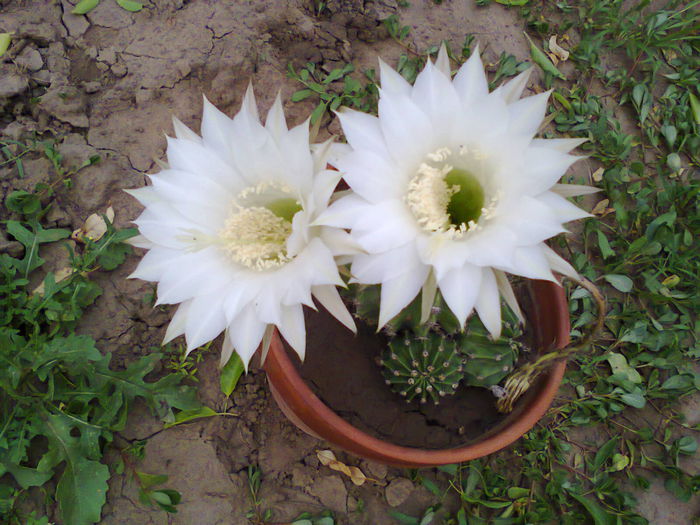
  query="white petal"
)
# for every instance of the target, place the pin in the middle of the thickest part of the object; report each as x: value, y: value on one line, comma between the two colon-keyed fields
x: 512, y: 90
x: 339, y: 242
x: 275, y: 123
x: 531, y: 221
x: 325, y: 183
x: 193, y: 274
x: 373, y: 177
x: 216, y: 128
x: 145, y: 195
x: 336, y: 152
x: 205, y: 320
x: 384, y: 226
x: 293, y: 330
x: 470, y: 81
x: 558, y: 264
x: 330, y: 299
x: 398, y: 293
x: 566, y: 211
x: 460, y: 288
x: 407, y: 131
x: 297, y: 160
x: 488, y: 303
x: 385, y: 266
x: 139, y: 241
x: 362, y: 131
x: 427, y: 299
x: 342, y: 213
x: 391, y: 81
x: 560, y: 145
x: 573, y: 190
x: 506, y: 290
x: 246, y: 332
x: 226, y: 349
x: 530, y: 262
x: 443, y: 61
x: 543, y: 168
x: 178, y: 323
x: 249, y: 105
x: 526, y: 114
x: 154, y: 263
x: 435, y: 95
x: 183, y: 132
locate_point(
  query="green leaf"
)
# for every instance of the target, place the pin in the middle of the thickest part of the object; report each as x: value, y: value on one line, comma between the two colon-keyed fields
x: 694, y: 106
x: 85, y: 6
x: 23, y: 202
x: 542, y: 60
x: 604, y: 453
x: 605, y: 250
x: 634, y: 399
x: 31, y: 241
x: 130, y: 5
x: 512, y: 3
x: 81, y: 491
x: 687, y: 445
x: 188, y: 415
x: 678, y: 382
x: 27, y: 477
x: 230, y: 374
x: 618, y: 365
x: 600, y: 517
x: 300, y: 95
x: 150, y: 480
x: 5, y: 39
x: 619, y: 282
x: 518, y: 492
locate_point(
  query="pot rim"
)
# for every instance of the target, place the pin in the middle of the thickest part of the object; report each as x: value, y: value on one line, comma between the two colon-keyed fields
x: 309, y: 413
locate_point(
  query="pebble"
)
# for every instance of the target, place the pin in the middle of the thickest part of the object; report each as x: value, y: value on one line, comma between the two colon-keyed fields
x: 30, y: 59
x: 398, y: 491
x: 11, y: 85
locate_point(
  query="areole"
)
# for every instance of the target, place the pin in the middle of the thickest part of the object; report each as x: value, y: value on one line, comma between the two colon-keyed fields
x: 550, y: 321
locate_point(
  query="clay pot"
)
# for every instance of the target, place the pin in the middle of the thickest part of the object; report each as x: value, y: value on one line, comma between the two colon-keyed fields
x: 549, y: 319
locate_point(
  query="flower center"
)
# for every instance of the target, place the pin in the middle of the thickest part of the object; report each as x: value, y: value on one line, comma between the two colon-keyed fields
x: 255, y: 234
x: 448, y: 199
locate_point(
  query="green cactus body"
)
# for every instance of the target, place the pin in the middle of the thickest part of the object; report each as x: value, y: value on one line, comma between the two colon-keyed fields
x: 422, y: 368
x: 428, y: 361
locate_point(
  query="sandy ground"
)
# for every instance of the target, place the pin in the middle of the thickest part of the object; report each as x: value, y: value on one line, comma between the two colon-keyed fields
x: 109, y: 83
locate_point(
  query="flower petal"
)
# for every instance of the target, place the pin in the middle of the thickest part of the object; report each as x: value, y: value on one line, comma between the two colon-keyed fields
x: 565, y: 211
x: 391, y: 81
x: 559, y: 265
x: 396, y: 294
x: 178, y: 323
x: 460, y: 288
x: 205, y: 320
x: 488, y: 303
x: 246, y: 332
x: 275, y: 123
x: 292, y: 328
x: 470, y: 81
x: 330, y: 299
x: 512, y: 90
x: 526, y: 114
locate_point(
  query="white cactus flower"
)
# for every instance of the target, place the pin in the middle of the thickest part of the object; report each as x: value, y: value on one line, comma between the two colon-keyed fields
x: 228, y: 228
x: 450, y: 190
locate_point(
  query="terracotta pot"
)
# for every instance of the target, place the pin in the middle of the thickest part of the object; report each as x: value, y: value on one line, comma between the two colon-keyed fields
x: 549, y: 318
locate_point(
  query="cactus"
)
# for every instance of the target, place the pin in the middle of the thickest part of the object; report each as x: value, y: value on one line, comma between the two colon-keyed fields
x: 423, y: 368
x: 429, y: 361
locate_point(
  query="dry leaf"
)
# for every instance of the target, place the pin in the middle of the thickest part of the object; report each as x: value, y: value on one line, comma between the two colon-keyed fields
x: 598, y: 175
x: 559, y: 51
x: 553, y: 58
x: 58, y: 276
x: 601, y: 208
x: 95, y: 226
x: 328, y: 459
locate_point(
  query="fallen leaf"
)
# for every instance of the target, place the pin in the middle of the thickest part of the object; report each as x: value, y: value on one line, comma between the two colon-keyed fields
x: 601, y: 207
x: 95, y: 226
x: 561, y: 53
x: 328, y: 459
x: 58, y: 276
x: 598, y: 175
x: 553, y: 58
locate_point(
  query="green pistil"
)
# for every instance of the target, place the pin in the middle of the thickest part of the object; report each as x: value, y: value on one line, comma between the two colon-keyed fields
x: 284, y: 208
x: 467, y: 201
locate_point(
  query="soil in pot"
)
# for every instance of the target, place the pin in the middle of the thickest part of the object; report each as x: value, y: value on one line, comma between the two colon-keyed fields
x: 341, y: 369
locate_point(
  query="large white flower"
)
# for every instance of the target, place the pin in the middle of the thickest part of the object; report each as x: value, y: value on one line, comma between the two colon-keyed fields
x: 451, y: 190
x: 229, y: 233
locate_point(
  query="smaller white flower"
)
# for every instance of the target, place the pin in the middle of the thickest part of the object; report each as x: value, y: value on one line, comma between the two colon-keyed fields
x: 228, y: 228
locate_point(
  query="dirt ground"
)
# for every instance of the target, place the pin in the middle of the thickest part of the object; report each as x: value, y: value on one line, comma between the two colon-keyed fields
x: 109, y: 83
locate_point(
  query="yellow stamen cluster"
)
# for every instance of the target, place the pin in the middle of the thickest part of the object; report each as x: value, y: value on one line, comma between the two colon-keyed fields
x: 255, y: 237
x: 430, y: 195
